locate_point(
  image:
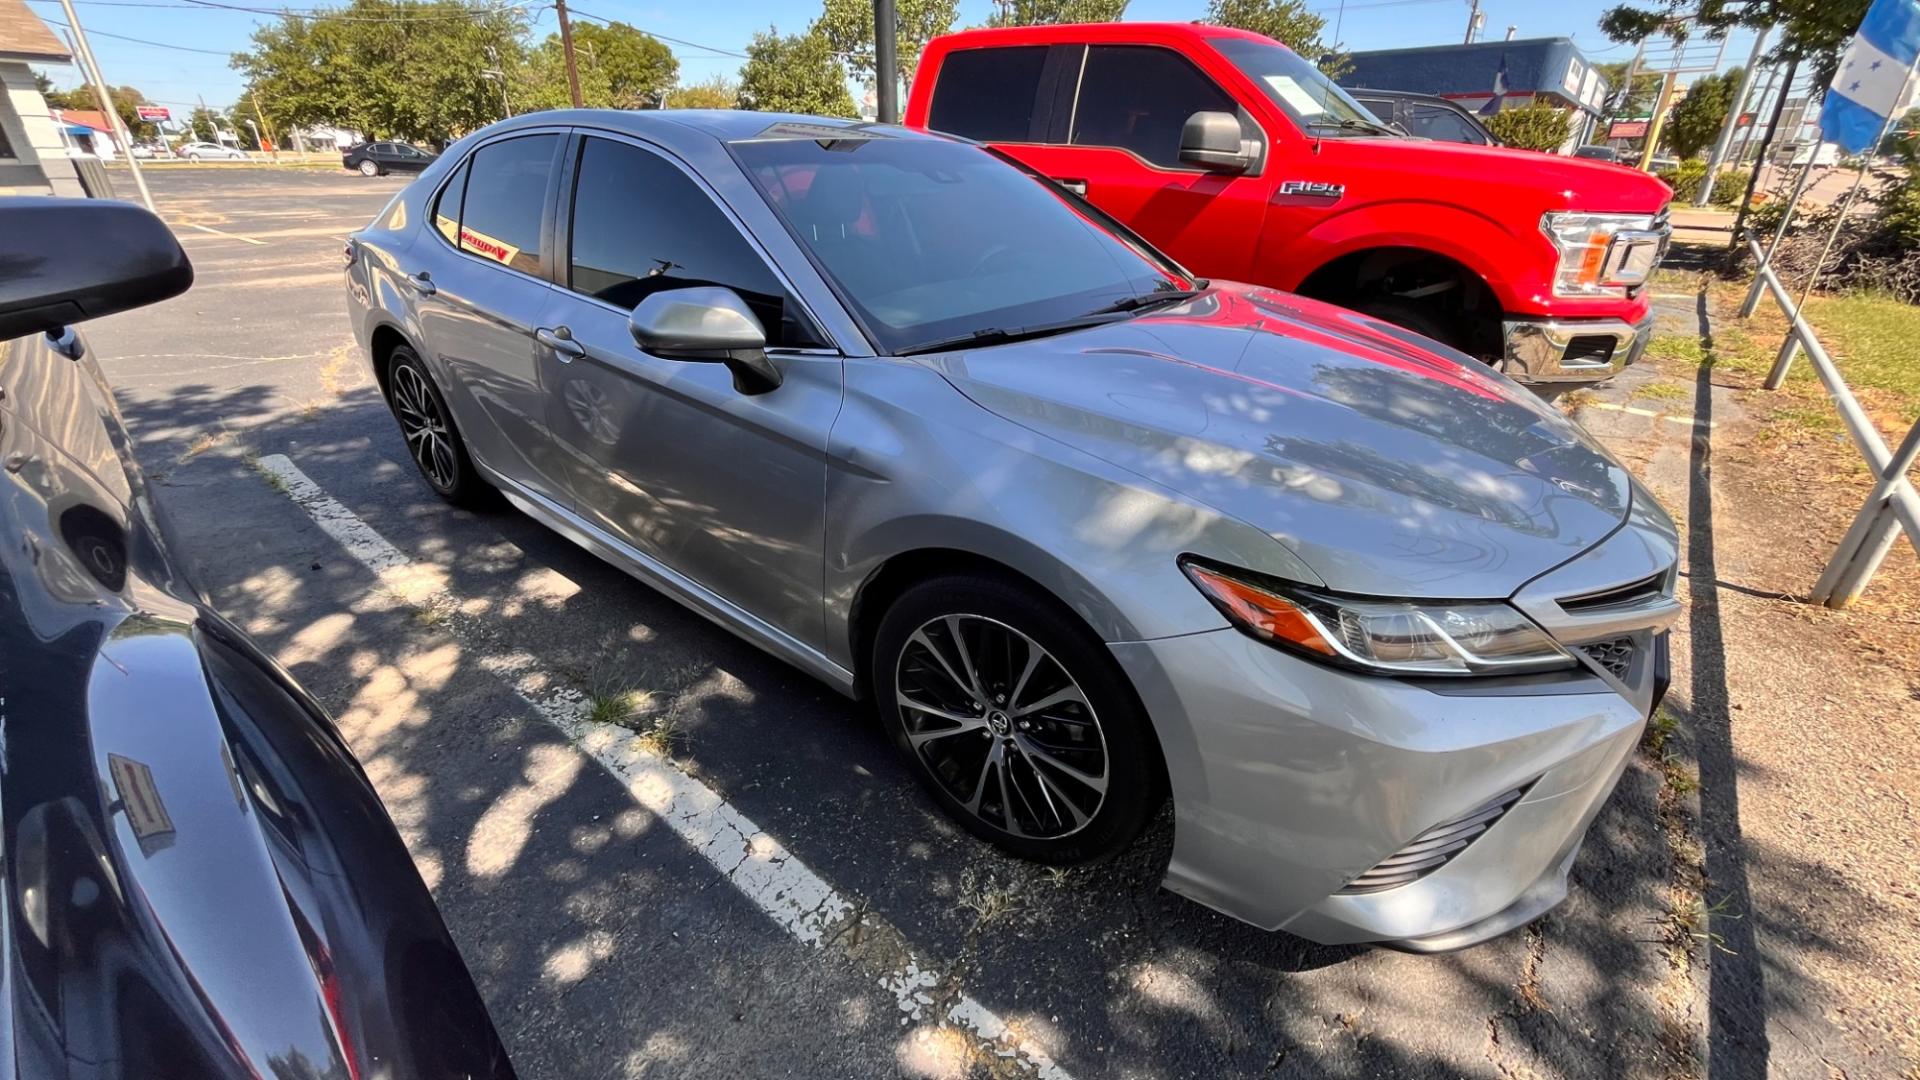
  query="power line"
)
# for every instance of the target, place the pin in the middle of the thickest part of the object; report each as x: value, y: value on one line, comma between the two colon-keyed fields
x: 317, y: 14
x: 662, y: 37
x: 144, y: 41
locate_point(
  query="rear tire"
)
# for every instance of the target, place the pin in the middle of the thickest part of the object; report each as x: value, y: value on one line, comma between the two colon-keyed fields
x: 433, y: 442
x: 1414, y: 317
x: 1016, y: 719
x: 369, y: 168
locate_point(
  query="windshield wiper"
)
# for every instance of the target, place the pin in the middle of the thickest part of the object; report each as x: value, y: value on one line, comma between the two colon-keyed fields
x: 1151, y: 299
x: 995, y: 335
x: 1351, y: 123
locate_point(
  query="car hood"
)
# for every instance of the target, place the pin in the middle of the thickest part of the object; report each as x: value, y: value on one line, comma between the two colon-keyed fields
x: 1386, y: 463
x: 1553, y: 181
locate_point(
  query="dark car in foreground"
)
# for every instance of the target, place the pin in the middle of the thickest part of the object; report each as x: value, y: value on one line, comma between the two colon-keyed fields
x: 199, y: 881
x: 1085, y: 529
x: 381, y: 158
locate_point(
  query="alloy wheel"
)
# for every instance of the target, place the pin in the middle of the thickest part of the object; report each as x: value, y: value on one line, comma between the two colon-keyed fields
x: 425, y: 426
x: 1002, y: 725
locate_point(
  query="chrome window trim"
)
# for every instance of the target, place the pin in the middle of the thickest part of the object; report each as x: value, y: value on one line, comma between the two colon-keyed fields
x: 739, y: 226
x: 466, y: 161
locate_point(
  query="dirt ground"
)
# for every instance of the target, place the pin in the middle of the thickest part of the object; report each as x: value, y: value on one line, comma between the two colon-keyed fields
x: 1797, y: 722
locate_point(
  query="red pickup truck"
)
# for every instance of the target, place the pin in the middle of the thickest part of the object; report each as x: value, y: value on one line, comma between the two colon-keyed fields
x: 1240, y: 159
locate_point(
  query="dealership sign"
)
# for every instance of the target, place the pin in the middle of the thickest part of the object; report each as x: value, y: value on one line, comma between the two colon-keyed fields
x: 1627, y: 129
x: 152, y: 112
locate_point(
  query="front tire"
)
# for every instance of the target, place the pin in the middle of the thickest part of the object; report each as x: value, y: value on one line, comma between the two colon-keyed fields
x: 1016, y: 719
x: 369, y: 168
x: 433, y: 442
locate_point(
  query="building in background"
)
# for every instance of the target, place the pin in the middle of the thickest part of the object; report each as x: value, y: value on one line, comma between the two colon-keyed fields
x: 1517, y: 73
x: 33, y: 157
x: 88, y: 131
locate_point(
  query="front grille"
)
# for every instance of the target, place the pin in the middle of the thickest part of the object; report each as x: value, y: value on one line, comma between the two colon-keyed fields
x: 1615, y: 655
x: 1434, y: 848
x: 1619, y: 596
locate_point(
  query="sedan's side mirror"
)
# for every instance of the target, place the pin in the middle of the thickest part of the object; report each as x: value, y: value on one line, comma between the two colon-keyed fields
x: 68, y: 260
x: 708, y: 323
x: 1212, y: 140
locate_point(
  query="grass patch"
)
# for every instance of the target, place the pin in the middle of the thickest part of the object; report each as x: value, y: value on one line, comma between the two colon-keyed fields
x: 606, y: 706
x: 1680, y: 348
x: 1662, y: 391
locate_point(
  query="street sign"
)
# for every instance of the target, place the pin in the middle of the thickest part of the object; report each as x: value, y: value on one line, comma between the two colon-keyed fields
x: 1627, y: 129
x: 152, y: 112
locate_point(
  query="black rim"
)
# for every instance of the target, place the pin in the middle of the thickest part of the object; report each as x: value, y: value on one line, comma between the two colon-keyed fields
x: 1002, y: 726
x: 428, y: 438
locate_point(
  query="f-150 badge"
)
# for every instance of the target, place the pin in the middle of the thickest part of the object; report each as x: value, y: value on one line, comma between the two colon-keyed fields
x: 1312, y: 189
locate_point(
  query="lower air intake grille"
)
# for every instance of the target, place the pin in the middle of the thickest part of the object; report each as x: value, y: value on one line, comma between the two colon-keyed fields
x: 1615, y: 655
x: 1434, y: 848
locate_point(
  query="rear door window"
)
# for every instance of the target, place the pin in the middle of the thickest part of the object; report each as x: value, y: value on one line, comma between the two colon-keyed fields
x: 1138, y: 98
x: 446, y: 212
x: 506, y: 197
x: 988, y: 94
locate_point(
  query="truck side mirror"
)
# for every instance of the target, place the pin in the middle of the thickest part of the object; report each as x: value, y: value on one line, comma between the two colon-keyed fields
x: 1212, y: 140
x: 68, y: 260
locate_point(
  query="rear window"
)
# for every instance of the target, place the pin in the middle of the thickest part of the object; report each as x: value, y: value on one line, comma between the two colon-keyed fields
x: 988, y: 94
x: 506, y: 197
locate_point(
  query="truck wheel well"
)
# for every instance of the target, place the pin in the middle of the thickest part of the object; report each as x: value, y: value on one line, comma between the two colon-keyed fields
x: 1437, y: 295
x: 385, y: 340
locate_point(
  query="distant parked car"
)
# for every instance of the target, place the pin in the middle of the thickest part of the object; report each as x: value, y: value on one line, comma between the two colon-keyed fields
x: 206, y: 151
x: 1425, y: 116
x: 381, y: 158
x: 1597, y: 153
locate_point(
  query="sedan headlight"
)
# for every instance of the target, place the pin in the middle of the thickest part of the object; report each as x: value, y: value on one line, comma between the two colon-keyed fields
x: 1603, y: 254
x: 1387, y: 636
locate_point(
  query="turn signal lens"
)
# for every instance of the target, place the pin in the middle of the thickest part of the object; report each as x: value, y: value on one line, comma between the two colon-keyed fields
x: 1263, y: 613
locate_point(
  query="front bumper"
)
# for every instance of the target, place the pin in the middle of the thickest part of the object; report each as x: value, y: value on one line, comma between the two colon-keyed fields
x: 1571, y: 351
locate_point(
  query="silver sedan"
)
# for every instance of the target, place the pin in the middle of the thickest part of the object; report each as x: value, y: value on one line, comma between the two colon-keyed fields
x: 1086, y: 531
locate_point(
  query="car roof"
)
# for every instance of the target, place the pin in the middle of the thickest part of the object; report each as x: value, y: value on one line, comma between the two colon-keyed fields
x: 1094, y: 32
x: 722, y: 125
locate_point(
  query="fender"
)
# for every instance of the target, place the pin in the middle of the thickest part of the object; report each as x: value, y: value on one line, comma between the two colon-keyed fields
x: 1474, y: 240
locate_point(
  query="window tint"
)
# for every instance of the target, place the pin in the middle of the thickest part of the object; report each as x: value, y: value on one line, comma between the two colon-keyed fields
x: 640, y: 225
x: 446, y: 212
x: 988, y: 94
x: 1434, y: 122
x: 1138, y: 97
x: 506, y: 194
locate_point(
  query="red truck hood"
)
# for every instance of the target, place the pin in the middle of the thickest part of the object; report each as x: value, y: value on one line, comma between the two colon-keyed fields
x: 1566, y: 183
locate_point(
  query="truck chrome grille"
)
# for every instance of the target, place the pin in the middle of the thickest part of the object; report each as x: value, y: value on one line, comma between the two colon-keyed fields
x: 1434, y: 848
x: 1615, y: 655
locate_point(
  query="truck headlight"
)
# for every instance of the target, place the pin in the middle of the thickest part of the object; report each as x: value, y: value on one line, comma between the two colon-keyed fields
x: 1385, y: 636
x: 1603, y: 254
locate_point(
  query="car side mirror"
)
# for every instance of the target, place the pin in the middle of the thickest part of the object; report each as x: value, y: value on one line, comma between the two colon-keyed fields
x: 707, y: 323
x: 1212, y: 140
x: 69, y: 260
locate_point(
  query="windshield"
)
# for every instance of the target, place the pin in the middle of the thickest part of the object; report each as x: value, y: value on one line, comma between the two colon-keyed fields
x: 929, y: 240
x: 1300, y: 89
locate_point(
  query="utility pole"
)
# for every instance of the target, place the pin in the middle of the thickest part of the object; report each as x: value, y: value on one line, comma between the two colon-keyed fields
x: 1720, y: 145
x: 273, y: 143
x: 886, y: 62
x: 566, y: 46
x: 1658, y: 122
x: 1766, y: 140
x: 106, y: 101
x: 1474, y: 19
x: 498, y: 72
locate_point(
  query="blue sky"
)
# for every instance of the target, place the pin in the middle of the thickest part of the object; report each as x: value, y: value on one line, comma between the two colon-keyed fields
x: 177, y: 77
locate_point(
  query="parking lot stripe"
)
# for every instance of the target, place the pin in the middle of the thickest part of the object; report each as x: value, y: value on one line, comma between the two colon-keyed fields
x: 802, y: 903
x: 230, y: 236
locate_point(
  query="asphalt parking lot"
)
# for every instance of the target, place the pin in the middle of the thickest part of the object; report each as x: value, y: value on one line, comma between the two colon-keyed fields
x: 741, y: 879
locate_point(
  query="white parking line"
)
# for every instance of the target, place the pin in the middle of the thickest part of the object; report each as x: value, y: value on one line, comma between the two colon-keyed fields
x: 803, y: 904
x: 1635, y: 410
x: 229, y: 236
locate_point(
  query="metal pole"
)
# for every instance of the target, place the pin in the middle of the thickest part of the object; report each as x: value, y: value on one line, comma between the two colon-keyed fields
x: 1658, y: 122
x: 1473, y: 20
x: 1799, y: 187
x: 566, y: 46
x: 886, y: 63
x: 1753, y: 178
x: 273, y: 144
x: 106, y: 101
x: 1871, y: 535
x: 1701, y: 197
x: 1759, y: 102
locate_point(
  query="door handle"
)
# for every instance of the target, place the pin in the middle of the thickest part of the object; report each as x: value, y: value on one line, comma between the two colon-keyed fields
x: 422, y: 283
x: 560, y: 340
x: 1076, y: 185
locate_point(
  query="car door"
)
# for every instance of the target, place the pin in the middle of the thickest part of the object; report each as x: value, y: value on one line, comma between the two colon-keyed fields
x: 722, y: 487
x: 1119, y: 146
x: 479, y: 278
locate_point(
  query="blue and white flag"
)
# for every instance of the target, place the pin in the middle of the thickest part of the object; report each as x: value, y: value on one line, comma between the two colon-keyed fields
x: 1499, y: 89
x: 1871, y: 84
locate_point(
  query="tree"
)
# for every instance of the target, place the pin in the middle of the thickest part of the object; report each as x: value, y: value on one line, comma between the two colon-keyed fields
x: 1622, y: 101
x: 847, y: 26
x: 1813, y: 30
x: 1538, y: 126
x: 41, y: 82
x: 796, y: 73
x: 620, y: 68
x: 1285, y: 21
x: 204, y: 123
x: 1695, y: 121
x: 1056, y: 12
x: 718, y: 92
x: 126, y: 100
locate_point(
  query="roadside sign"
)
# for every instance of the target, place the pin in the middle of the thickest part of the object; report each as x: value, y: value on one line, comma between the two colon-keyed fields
x: 1627, y: 129
x: 152, y: 112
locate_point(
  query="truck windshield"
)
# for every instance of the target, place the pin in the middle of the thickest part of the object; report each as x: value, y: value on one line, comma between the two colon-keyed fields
x: 932, y: 242
x: 1300, y: 90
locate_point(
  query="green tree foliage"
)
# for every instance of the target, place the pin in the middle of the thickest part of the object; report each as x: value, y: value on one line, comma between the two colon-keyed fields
x: 1055, y: 12
x: 1637, y: 102
x: 1538, y: 126
x: 1695, y: 121
x: 620, y: 68
x: 718, y: 92
x: 1814, y: 30
x: 847, y: 26
x: 794, y: 73
x: 409, y: 69
x: 203, y: 123
x: 1288, y: 22
x: 125, y: 101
